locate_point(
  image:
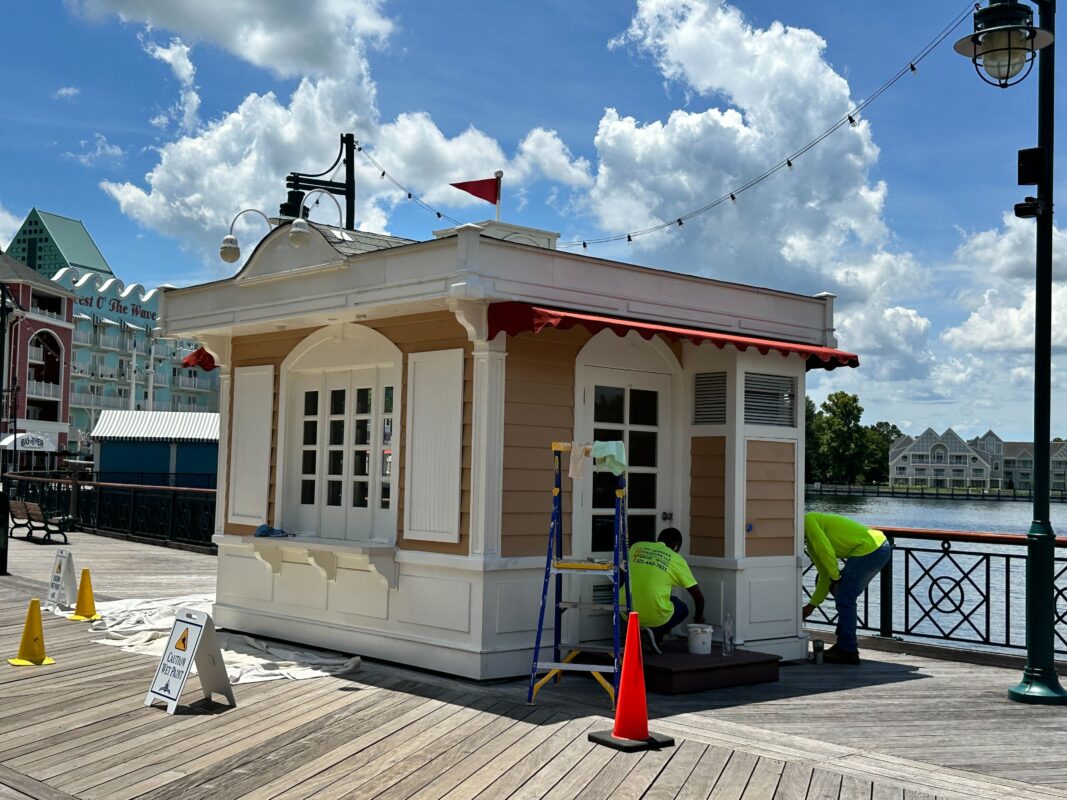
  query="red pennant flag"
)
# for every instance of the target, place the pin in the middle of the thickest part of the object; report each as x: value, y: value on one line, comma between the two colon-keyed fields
x: 199, y: 358
x: 487, y: 189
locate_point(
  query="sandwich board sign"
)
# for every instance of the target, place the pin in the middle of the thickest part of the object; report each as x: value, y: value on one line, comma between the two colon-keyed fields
x: 192, y: 641
x: 62, y: 587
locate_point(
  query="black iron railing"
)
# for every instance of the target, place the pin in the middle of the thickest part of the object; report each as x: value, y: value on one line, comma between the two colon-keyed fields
x: 953, y: 586
x: 927, y: 492
x: 183, y: 515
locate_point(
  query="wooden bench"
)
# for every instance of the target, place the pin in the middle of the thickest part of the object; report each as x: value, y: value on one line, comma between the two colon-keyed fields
x: 28, y: 517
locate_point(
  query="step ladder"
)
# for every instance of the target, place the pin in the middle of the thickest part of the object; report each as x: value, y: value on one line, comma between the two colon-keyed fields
x: 555, y: 566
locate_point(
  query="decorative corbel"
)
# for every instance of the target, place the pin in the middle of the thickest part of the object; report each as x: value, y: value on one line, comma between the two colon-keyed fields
x: 473, y: 316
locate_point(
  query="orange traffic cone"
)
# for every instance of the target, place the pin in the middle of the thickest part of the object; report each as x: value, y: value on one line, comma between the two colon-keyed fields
x: 86, y: 607
x: 31, y: 649
x: 631, y: 712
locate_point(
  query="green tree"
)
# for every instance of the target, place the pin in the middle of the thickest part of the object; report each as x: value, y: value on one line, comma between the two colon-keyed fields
x: 880, y: 437
x: 844, y: 443
x: 814, y: 433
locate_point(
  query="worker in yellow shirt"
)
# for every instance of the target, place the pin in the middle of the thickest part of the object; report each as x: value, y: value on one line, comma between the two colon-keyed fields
x: 655, y: 569
x: 829, y: 538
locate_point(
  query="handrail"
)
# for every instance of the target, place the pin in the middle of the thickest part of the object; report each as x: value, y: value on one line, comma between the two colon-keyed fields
x: 974, y: 537
x: 142, y: 486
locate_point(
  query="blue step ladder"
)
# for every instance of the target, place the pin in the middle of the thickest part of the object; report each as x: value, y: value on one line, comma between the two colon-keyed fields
x: 556, y: 566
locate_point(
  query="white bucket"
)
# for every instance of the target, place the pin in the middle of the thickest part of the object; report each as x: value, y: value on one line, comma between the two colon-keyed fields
x: 700, y: 639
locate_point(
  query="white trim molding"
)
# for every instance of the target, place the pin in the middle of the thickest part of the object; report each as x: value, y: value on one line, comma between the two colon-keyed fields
x: 249, y: 476
x: 487, y: 447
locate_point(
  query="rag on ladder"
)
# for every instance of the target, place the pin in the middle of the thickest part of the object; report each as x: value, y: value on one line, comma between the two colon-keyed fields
x: 556, y: 566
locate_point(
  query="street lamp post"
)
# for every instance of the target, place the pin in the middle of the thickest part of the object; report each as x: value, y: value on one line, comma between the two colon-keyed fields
x: 1004, y: 45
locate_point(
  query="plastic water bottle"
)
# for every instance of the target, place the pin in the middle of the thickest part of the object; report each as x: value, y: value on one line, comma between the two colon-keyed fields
x: 728, y: 636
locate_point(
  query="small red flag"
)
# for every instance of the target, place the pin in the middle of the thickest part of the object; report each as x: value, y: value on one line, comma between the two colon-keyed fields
x: 487, y: 189
x: 199, y: 358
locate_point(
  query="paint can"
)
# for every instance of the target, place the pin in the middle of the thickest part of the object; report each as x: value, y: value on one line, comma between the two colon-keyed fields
x: 700, y: 639
x: 817, y: 646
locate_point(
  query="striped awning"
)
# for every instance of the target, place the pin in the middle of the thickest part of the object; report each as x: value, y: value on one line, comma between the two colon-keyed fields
x: 98, y: 320
x: 80, y: 315
x: 156, y: 426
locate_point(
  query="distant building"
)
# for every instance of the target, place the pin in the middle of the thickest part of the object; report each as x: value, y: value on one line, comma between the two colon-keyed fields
x: 985, y: 462
x: 36, y: 356
x: 47, y: 243
x: 164, y: 448
x: 119, y: 361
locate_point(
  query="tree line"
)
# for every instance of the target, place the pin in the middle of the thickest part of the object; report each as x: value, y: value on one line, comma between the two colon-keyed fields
x: 839, y: 449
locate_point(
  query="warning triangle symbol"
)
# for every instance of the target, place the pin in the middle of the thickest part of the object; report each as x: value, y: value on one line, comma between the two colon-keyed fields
x: 183, y: 641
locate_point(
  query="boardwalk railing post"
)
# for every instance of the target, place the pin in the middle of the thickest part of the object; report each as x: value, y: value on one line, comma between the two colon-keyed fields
x: 885, y: 599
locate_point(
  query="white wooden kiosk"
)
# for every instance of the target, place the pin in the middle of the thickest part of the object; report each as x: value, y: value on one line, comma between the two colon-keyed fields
x: 393, y: 403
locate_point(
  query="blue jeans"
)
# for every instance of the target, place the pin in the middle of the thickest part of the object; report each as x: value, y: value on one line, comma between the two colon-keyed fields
x: 681, y: 611
x: 858, y: 572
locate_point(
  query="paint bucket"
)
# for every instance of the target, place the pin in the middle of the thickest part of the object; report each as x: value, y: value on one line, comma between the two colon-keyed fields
x: 817, y: 646
x: 700, y: 639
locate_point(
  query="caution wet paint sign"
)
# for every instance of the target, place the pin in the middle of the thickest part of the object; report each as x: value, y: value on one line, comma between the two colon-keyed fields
x: 62, y: 585
x: 191, y: 642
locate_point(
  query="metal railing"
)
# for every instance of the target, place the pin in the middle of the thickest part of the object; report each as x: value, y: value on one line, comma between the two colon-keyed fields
x: 37, y: 311
x: 957, y: 587
x: 35, y: 353
x: 43, y: 389
x: 1058, y: 494
x: 83, y: 337
x: 111, y: 342
x: 162, y: 513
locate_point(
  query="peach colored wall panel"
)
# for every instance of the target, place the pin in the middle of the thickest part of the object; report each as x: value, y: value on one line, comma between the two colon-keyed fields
x: 770, y: 498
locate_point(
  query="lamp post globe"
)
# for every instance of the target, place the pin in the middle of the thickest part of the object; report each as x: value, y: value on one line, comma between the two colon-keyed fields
x: 299, y: 232
x: 1003, y: 48
x: 229, y: 251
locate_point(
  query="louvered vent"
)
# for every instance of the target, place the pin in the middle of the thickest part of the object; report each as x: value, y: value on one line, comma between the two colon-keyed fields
x: 770, y: 400
x: 709, y: 398
x: 602, y: 593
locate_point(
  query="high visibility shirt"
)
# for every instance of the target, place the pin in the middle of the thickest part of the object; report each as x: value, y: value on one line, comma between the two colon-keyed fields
x: 654, y: 570
x: 829, y: 537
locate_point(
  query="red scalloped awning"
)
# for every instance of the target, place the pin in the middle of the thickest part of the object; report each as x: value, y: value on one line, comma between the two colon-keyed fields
x: 514, y: 318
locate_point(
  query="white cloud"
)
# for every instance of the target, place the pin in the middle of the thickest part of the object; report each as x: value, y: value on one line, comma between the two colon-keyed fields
x: 290, y: 40
x: 66, y: 93
x: 9, y: 226
x: 893, y: 342
x: 1004, y: 322
x: 99, y: 150
x: 1008, y: 252
x: 176, y: 55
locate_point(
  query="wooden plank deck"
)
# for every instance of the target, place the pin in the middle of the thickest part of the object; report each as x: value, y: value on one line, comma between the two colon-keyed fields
x: 78, y: 728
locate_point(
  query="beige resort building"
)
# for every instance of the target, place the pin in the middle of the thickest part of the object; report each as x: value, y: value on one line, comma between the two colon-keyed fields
x: 393, y: 403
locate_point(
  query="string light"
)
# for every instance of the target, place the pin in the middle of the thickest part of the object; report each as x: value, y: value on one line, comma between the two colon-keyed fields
x: 788, y: 162
x: 384, y: 174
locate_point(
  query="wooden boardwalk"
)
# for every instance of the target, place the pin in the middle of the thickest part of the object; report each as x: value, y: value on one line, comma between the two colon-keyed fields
x: 78, y: 729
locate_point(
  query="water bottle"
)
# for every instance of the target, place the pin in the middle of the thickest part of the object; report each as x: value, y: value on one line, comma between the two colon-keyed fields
x: 728, y: 636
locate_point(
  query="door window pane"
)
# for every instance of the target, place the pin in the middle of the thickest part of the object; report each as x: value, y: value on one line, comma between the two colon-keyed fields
x: 361, y: 463
x: 333, y: 493
x: 604, y: 486
x: 608, y: 404
x: 387, y: 400
x: 607, y: 435
x: 387, y: 430
x: 385, y: 495
x: 311, y: 432
x: 359, y: 494
x: 362, y: 431
x: 307, y: 466
x: 337, y: 401
x: 337, y: 431
x: 644, y: 407
x: 641, y: 528
x: 337, y: 462
x: 311, y: 404
x: 387, y: 463
x: 642, y: 449
x: 307, y: 493
x: 603, y: 532
x: 363, y: 397
x: 641, y: 490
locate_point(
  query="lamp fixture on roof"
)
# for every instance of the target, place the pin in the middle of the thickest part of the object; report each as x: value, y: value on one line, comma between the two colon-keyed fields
x: 300, y: 231
x: 230, y: 250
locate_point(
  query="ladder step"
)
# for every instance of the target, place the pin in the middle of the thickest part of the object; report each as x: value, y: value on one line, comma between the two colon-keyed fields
x: 591, y: 648
x: 572, y: 667
x: 582, y: 566
x: 586, y: 606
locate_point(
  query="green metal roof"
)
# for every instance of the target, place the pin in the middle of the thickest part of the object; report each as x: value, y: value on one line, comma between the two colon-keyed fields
x: 74, y: 242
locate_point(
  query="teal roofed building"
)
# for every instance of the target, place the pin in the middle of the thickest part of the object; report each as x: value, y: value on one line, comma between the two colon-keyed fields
x: 47, y: 243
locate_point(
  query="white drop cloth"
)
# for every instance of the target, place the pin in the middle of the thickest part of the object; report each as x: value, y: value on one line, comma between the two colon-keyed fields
x: 142, y: 626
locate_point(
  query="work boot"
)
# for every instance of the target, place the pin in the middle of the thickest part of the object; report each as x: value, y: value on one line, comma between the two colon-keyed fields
x: 836, y: 656
x: 648, y: 641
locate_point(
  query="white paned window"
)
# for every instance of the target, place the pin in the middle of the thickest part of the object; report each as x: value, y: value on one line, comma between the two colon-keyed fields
x: 251, y: 427
x: 433, y: 457
x: 770, y: 400
x: 709, y: 398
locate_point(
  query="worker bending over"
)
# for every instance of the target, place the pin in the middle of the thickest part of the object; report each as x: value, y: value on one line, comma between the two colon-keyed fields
x: 655, y: 569
x: 828, y: 538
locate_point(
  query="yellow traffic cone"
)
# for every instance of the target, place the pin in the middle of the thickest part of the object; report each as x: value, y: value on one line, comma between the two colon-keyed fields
x: 86, y: 607
x: 31, y: 650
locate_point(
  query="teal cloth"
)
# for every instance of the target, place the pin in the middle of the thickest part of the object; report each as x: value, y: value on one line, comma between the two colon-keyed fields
x: 610, y: 455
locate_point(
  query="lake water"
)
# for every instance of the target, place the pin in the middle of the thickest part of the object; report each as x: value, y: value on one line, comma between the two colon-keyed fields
x: 995, y: 516
x: 964, y: 592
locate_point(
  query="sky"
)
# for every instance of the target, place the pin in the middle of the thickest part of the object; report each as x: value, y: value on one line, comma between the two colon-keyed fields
x: 154, y: 123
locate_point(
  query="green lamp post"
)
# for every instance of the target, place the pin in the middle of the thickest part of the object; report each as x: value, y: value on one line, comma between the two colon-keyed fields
x: 1003, y: 48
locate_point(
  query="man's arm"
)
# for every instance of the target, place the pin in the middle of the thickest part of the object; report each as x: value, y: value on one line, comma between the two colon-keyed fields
x: 822, y: 555
x: 698, y: 603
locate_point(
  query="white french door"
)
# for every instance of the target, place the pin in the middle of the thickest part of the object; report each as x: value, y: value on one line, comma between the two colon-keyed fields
x: 633, y: 407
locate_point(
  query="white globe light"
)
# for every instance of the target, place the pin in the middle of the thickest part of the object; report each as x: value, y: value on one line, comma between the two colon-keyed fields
x: 299, y: 233
x: 1004, y: 53
x: 229, y: 251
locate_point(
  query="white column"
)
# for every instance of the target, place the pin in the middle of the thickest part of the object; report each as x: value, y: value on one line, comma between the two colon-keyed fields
x: 224, y: 450
x: 487, y: 447
x: 150, y: 371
